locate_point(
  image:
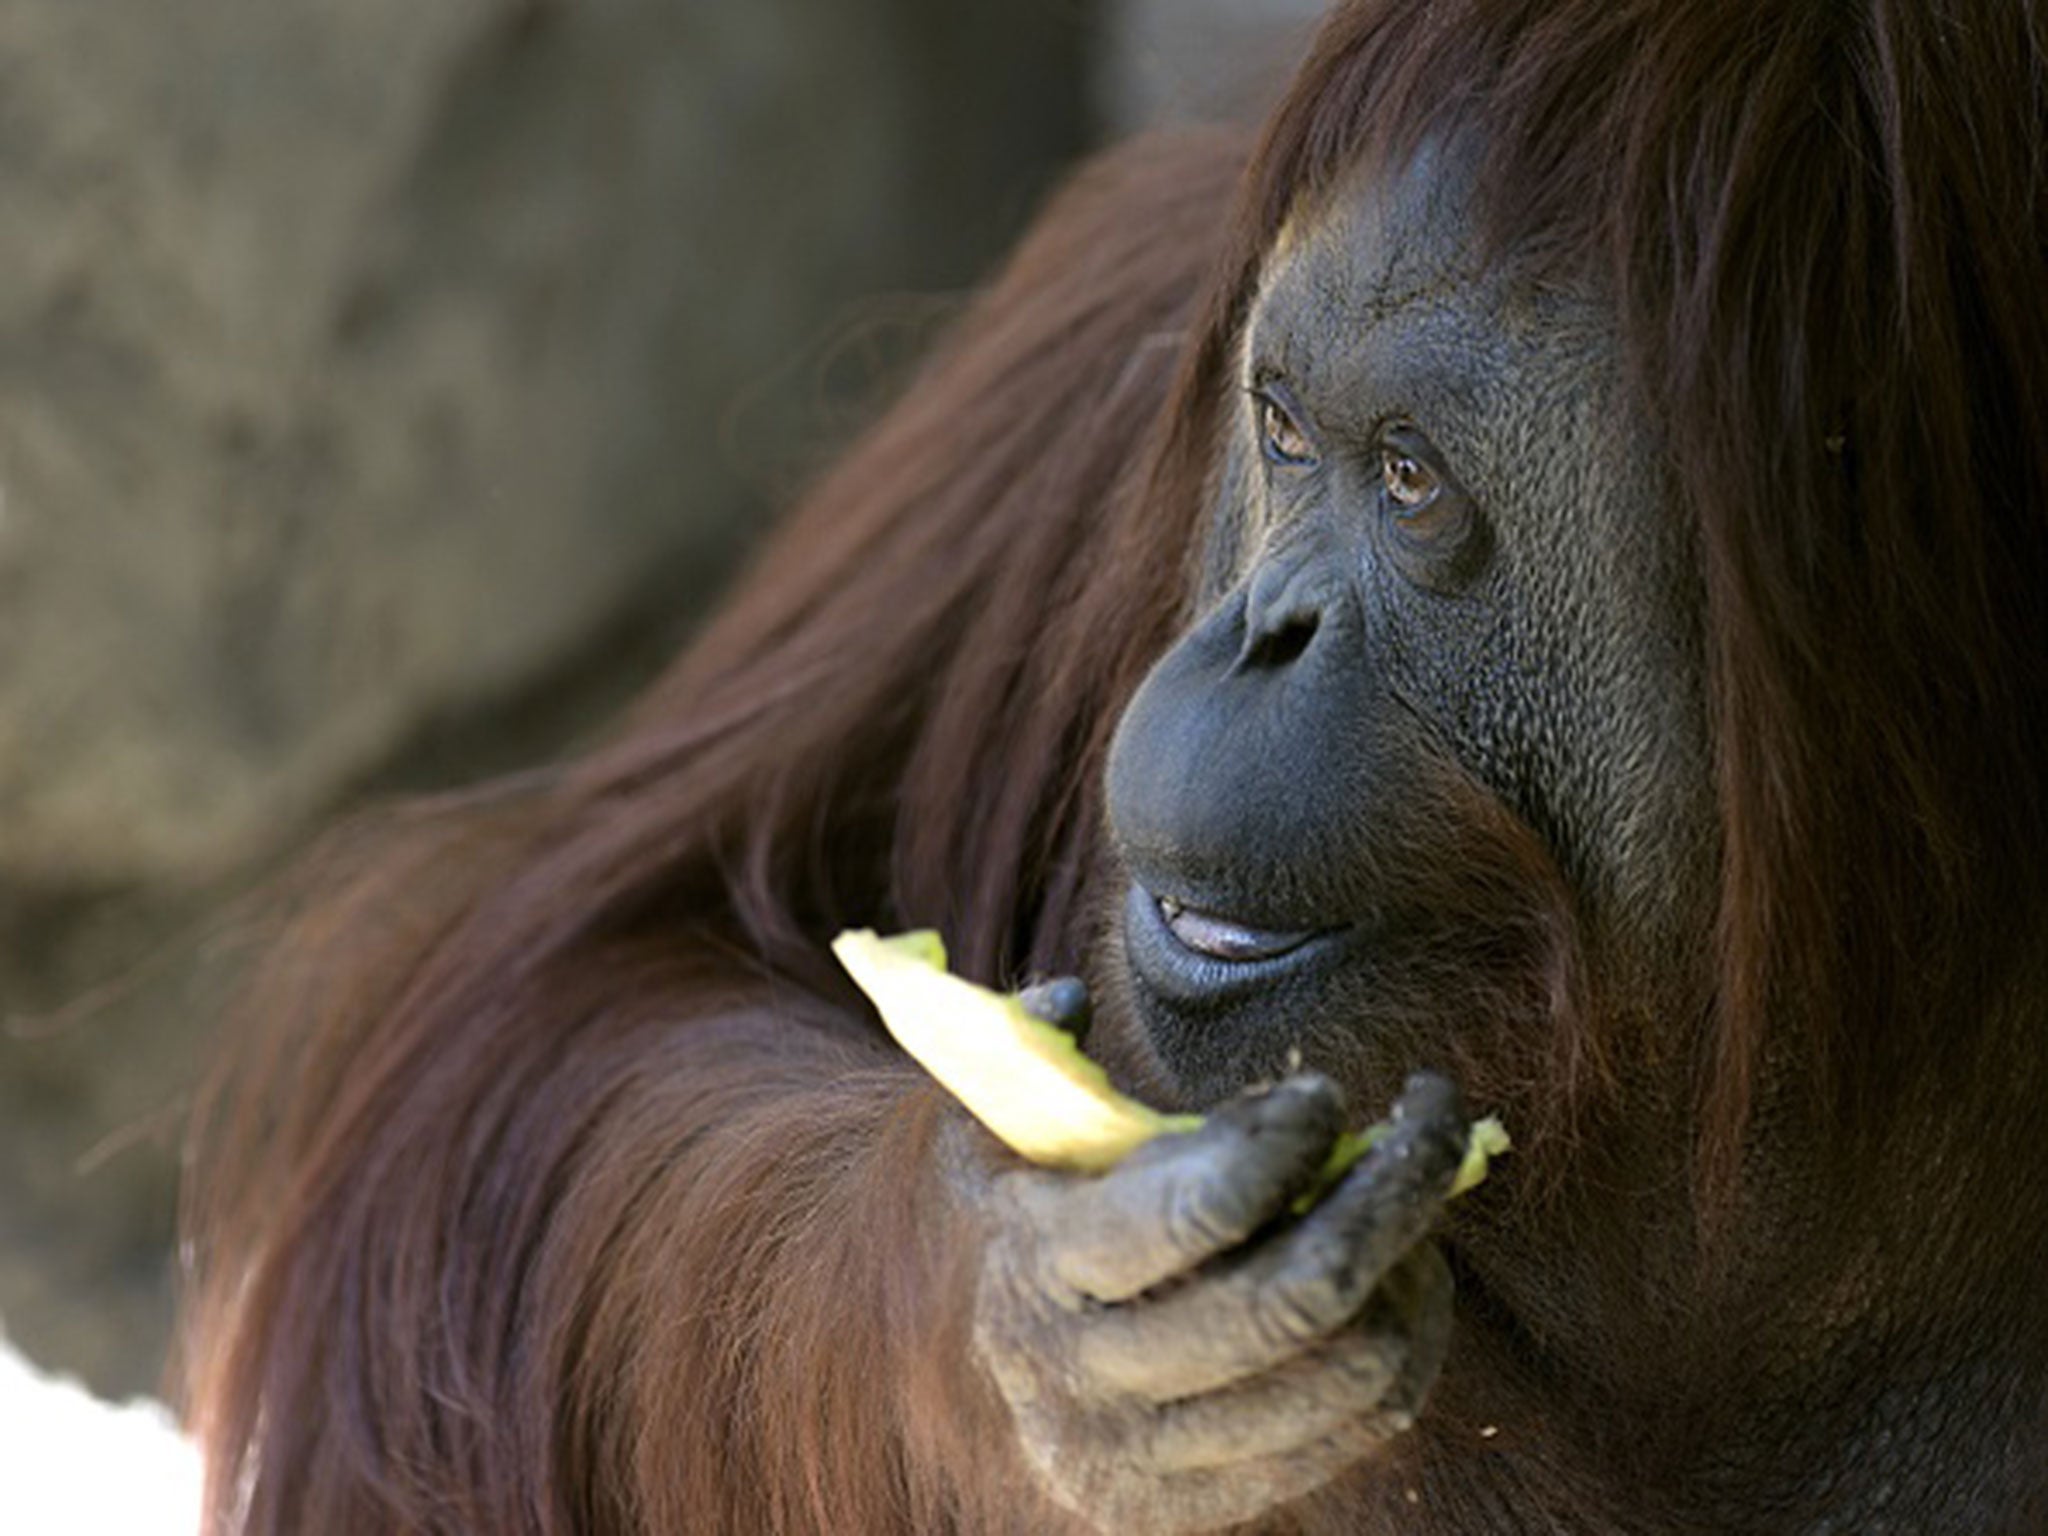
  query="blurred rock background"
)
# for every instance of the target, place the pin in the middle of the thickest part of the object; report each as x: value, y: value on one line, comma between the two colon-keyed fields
x: 384, y: 388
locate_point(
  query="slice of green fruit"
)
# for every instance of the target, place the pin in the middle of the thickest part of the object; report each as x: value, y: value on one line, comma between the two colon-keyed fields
x: 1027, y: 1081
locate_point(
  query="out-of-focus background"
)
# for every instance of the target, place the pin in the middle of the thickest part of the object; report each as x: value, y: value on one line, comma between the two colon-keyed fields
x: 385, y: 389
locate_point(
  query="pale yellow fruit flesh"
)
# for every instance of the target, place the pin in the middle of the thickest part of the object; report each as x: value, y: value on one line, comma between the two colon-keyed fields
x: 1027, y: 1081
x: 1024, y: 1079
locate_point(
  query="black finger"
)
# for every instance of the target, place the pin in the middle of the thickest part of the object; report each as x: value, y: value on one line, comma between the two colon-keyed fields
x: 1061, y: 1001
x: 1211, y: 1498
x: 1302, y: 1286
x: 1385, y: 1204
x: 1417, y: 1291
x: 1181, y: 1200
x: 1343, y: 1382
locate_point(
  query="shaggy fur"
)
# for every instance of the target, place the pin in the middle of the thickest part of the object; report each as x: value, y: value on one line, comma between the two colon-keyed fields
x: 558, y: 1184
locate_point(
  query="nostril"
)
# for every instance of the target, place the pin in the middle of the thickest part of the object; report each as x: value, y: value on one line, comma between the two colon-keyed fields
x: 1279, y: 642
x: 1283, y: 609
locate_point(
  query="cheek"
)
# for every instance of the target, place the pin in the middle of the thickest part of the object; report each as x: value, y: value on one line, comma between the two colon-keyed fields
x: 1463, y: 666
x: 1572, y: 693
x: 1496, y: 690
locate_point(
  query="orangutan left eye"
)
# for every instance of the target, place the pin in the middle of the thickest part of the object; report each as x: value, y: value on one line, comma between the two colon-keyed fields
x: 1411, y: 486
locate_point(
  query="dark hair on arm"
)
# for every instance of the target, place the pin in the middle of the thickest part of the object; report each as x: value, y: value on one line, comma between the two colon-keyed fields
x: 557, y: 1181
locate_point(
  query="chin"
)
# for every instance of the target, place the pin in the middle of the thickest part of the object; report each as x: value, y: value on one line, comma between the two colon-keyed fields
x: 1223, y: 1002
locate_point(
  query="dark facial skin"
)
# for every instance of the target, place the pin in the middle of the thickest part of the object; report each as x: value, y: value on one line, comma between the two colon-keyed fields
x: 1443, y: 571
x: 1428, y: 780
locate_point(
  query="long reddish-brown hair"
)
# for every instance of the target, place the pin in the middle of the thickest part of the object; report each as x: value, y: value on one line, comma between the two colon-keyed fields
x: 429, y: 1200
x: 890, y: 723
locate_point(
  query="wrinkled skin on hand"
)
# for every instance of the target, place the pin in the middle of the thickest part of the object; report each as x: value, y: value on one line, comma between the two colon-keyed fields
x: 1180, y: 1351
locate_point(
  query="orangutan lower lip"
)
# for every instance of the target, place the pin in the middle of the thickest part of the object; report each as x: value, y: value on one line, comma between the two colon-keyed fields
x: 1222, y: 938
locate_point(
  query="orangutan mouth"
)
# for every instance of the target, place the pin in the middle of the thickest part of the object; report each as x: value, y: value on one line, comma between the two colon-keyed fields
x: 1222, y: 938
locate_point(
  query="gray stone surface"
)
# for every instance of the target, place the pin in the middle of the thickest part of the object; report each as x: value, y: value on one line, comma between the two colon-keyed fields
x: 1198, y: 61
x: 353, y: 356
x: 370, y: 370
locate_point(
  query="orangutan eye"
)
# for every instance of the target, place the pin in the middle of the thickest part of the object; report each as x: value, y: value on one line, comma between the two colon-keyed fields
x: 1281, y: 437
x: 1412, y: 487
x: 1438, y: 538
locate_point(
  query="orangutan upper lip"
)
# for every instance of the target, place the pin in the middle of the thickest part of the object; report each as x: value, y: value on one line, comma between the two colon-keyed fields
x: 1225, y: 938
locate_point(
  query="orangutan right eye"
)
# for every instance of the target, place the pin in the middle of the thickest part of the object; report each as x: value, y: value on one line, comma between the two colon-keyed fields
x: 1282, y: 438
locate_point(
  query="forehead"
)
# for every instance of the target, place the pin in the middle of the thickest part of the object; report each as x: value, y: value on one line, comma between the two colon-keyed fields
x: 1381, y: 240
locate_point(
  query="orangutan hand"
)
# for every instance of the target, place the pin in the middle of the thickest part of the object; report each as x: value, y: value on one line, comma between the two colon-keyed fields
x: 1179, y: 1351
